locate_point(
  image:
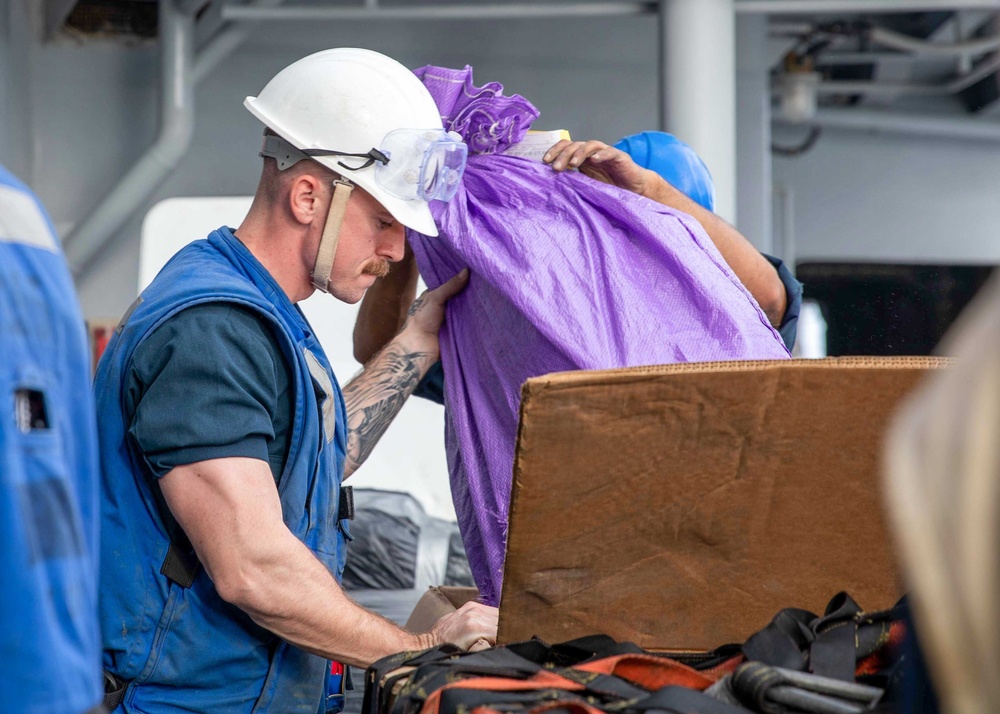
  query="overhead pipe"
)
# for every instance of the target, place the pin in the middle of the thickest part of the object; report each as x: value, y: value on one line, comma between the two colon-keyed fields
x: 176, y: 130
x: 869, y: 120
x: 959, y: 84
x: 905, y: 43
x: 868, y: 7
x: 225, y: 42
x: 877, y: 87
x: 371, y: 12
x: 702, y: 33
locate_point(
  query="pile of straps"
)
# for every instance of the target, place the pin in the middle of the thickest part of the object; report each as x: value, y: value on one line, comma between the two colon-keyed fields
x: 839, y: 663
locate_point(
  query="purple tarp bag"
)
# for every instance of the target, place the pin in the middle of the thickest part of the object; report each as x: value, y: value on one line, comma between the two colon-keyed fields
x: 567, y: 273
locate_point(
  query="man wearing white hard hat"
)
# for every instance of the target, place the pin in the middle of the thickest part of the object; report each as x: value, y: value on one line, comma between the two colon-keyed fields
x: 224, y: 434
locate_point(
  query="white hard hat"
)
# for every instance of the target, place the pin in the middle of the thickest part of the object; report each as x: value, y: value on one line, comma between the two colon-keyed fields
x: 347, y: 100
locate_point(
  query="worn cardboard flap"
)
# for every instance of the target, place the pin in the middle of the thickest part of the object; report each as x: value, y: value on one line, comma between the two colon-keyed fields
x: 682, y: 506
x: 437, y: 602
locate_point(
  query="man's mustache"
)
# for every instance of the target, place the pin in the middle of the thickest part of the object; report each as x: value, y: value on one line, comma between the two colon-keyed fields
x: 378, y: 268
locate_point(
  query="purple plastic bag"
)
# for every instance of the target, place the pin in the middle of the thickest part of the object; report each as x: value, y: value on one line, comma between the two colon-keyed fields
x: 567, y: 273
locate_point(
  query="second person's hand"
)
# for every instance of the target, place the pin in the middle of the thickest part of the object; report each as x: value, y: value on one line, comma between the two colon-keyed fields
x: 599, y: 161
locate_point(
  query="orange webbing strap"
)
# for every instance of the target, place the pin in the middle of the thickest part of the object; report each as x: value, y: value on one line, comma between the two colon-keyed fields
x: 649, y: 672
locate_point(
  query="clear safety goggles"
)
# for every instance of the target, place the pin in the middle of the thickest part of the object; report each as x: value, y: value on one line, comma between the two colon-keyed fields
x: 412, y: 164
x: 424, y: 164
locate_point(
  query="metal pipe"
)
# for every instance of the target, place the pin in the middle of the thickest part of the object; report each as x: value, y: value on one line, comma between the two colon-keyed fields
x: 785, y: 27
x: 190, y: 7
x: 907, y: 124
x: 805, y: 7
x: 983, y: 71
x: 831, y: 58
x: 176, y: 129
x: 905, y: 43
x: 325, y: 13
x: 224, y: 43
x: 864, y: 87
x: 702, y: 34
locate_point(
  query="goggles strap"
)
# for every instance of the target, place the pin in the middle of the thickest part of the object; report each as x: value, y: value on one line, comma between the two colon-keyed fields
x: 331, y: 234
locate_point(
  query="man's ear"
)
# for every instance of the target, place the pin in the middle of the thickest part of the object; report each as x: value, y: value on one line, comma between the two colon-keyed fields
x: 305, y: 198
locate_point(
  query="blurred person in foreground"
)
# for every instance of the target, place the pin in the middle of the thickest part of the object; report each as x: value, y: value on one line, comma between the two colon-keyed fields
x: 943, y: 491
x: 50, y: 649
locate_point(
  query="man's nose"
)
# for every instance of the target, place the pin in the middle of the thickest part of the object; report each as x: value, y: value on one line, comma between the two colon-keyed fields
x: 393, y: 243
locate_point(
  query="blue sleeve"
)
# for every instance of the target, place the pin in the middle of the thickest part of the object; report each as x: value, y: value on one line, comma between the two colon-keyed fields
x: 793, y: 292
x: 432, y: 385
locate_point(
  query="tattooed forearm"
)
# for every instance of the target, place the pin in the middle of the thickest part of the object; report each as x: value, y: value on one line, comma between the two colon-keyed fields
x: 375, y: 396
x: 417, y: 304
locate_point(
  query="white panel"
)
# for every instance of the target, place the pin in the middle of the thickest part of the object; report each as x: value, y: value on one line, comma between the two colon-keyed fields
x: 21, y: 221
x: 880, y: 198
x: 410, y: 457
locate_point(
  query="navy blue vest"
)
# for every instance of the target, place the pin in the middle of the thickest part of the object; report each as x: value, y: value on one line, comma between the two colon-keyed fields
x: 183, y: 648
x: 49, y: 640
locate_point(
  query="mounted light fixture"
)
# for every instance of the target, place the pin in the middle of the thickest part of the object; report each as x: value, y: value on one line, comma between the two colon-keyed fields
x: 799, y: 89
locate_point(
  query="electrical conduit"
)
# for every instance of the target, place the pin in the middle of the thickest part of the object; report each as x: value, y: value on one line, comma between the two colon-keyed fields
x: 176, y: 129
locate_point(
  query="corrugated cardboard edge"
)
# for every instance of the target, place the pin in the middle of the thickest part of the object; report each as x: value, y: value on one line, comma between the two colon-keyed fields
x: 569, y: 380
x: 437, y: 602
x: 616, y: 376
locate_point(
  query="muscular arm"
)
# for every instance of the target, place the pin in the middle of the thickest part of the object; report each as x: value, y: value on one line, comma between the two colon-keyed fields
x: 230, y: 510
x: 384, y: 308
x: 375, y: 396
x: 610, y: 165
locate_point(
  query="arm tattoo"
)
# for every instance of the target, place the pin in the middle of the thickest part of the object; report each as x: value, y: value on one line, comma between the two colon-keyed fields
x: 375, y: 396
x: 417, y: 304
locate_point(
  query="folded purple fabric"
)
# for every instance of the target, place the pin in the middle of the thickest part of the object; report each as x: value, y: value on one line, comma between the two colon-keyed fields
x: 567, y: 273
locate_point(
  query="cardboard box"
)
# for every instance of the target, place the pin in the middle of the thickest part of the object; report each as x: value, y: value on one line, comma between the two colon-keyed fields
x: 682, y: 506
x: 437, y: 602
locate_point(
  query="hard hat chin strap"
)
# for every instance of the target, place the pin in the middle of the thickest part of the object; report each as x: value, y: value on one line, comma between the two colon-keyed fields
x: 331, y: 234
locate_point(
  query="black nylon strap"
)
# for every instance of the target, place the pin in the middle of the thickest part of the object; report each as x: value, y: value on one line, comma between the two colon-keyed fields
x: 345, y: 505
x: 180, y: 565
x: 834, y: 652
x: 573, y: 652
x: 459, y: 700
x: 681, y: 700
x: 784, y: 642
x: 830, y: 645
x: 114, y: 691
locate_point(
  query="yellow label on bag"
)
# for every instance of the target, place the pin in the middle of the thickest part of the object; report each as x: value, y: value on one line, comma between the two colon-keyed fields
x: 536, y: 143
